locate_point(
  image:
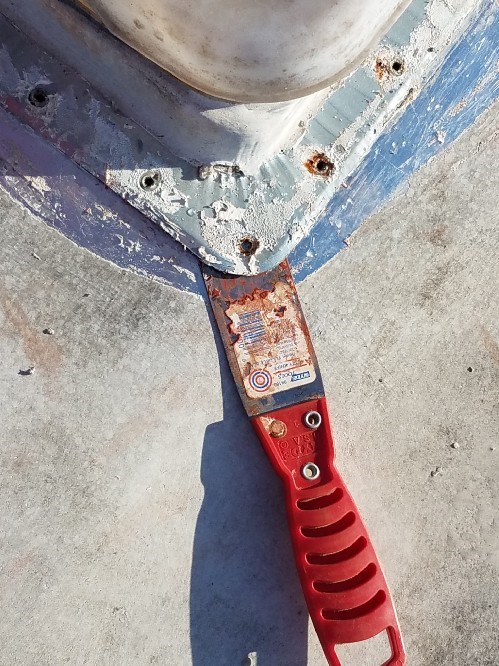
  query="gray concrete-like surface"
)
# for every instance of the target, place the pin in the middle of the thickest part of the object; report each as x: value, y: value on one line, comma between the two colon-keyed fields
x: 140, y: 523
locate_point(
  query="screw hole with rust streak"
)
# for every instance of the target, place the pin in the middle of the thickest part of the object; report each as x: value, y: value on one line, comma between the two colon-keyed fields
x: 320, y: 165
x: 248, y: 246
x: 385, y: 68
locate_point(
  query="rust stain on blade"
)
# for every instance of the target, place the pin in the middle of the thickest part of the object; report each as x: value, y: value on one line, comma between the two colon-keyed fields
x: 265, y: 334
x: 270, y: 344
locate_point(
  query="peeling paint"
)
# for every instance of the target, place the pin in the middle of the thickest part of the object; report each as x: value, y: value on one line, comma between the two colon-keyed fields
x: 279, y: 202
x: 466, y: 86
x: 73, y: 202
x: 128, y: 245
x: 38, y: 183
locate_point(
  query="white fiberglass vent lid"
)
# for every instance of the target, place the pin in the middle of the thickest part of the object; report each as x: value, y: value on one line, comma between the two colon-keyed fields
x: 251, y: 50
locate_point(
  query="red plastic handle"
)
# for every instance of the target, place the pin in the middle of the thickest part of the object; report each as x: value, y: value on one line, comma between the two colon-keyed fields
x: 345, y: 589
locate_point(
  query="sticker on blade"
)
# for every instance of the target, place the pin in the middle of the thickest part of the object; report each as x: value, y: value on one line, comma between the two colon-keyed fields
x: 271, y: 347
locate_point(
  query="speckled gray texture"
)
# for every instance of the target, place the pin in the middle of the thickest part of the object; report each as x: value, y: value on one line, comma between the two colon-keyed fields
x: 140, y: 522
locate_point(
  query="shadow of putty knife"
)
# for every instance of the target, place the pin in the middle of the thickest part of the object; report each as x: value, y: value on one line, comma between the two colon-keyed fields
x: 273, y: 362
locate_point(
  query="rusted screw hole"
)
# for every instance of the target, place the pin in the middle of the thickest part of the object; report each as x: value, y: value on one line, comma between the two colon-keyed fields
x: 397, y: 67
x: 150, y: 180
x: 320, y: 165
x: 248, y: 246
x: 38, y: 97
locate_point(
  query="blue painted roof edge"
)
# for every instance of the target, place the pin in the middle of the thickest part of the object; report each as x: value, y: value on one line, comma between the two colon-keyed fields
x: 465, y: 86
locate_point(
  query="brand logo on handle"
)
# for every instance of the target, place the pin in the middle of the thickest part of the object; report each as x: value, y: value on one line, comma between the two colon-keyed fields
x: 260, y: 380
x: 298, y: 446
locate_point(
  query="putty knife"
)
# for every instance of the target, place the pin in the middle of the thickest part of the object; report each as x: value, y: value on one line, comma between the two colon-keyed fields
x: 273, y: 362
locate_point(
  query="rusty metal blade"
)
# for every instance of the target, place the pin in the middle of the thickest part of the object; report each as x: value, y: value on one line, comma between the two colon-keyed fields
x: 266, y: 338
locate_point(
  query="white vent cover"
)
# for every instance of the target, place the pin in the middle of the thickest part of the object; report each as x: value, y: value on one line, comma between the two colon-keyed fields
x: 251, y: 50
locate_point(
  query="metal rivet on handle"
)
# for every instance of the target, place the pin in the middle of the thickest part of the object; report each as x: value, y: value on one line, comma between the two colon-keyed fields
x: 312, y: 420
x: 277, y: 429
x: 310, y: 471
